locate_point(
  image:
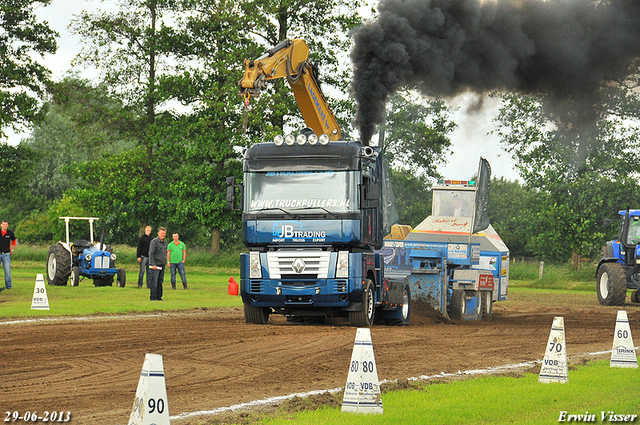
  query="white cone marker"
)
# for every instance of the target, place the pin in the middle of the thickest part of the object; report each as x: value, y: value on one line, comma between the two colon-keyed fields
x: 362, y: 392
x: 40, y: 300
x: 623, y: 353
x: 150, y: 406
x: 554, y: 365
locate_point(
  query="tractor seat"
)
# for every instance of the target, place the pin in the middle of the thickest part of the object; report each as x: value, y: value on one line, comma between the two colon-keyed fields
x: 81, y: 244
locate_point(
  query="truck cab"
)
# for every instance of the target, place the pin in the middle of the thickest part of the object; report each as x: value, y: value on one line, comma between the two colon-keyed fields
x: 313, y: 212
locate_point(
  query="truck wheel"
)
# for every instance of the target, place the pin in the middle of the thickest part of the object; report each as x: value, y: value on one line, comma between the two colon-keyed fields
x: 75, y: 276
x: 122, y: 278
x: 634, y: 297
x: 611, y: 284
x: 365, y: 317
x: 58, y: 265
x: 406, y: 306
x: 487, y: 305
x: 458, y: 304
x: 256, y: 315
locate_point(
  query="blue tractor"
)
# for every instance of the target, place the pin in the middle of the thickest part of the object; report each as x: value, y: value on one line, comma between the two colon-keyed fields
x: 83, y: 259
x: 619, y: 267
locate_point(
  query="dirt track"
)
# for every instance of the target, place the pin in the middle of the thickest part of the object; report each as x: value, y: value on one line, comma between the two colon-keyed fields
x: 91, y: 367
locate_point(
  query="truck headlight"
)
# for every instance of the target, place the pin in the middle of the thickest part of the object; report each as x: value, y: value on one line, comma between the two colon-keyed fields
x: 113, y: 257
x: 278, y: 139
x: 255, y: 268
x: 87, y: 257
x: 342, y: 268
x: 324, y: 139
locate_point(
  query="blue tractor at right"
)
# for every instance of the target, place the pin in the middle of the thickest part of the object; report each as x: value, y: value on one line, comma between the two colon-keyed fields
x: 619, y: 266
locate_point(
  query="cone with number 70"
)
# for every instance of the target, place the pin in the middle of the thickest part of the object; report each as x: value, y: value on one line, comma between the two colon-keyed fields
x: 554, y: 364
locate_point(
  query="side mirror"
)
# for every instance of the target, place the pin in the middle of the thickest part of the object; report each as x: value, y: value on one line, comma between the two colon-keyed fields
x: 231, y: 194
x: 370, y: 195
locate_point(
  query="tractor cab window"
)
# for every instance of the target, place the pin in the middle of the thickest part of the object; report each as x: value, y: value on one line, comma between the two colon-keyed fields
x: 633, y: 238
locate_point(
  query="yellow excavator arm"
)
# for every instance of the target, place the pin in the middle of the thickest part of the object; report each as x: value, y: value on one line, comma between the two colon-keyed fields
x: 289, y: 59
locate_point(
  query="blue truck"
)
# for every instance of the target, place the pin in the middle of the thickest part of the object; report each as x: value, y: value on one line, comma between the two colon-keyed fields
x: 314, y: 218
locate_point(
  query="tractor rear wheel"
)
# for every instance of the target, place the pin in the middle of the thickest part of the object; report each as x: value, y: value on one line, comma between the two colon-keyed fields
x: 611, y: 284
x: 58, y: 265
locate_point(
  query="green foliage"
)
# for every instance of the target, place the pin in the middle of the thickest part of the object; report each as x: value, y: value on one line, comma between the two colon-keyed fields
x: 22, y: 79
x: 413, y: 196
x: 416, y: 134
x: 580, y: 158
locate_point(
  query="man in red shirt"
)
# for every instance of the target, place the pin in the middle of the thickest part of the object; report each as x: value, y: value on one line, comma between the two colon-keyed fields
x: 7, y: 244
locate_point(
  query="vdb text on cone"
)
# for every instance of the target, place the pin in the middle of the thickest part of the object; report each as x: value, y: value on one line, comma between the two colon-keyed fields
x: 362, y: 391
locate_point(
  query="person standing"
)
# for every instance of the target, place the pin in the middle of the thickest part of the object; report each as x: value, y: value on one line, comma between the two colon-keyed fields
x: 7, y: 244
x: 143, y: 255
x: 157, y: 264
x: 176, y: 256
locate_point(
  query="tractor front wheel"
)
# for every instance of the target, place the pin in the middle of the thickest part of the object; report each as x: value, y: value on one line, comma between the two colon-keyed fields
x: 611, y: 284
x: 75, y: 276
x: 122, y: 278
x: 58, y: 265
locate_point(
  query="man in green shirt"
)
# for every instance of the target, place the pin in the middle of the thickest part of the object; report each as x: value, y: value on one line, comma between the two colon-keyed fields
x: 176, y: 256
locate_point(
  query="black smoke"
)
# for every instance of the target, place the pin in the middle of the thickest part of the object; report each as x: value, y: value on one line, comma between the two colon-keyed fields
x: 563, y: 48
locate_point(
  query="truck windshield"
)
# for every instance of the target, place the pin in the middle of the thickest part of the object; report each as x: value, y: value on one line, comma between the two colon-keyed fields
x: 330, y: 191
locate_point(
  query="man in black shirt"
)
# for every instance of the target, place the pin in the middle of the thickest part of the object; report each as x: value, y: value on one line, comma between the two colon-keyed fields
x: 157, y: 264
x: 7, y: 243
x: 143, y: 255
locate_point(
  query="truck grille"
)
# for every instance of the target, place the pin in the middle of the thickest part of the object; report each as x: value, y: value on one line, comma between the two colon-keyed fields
x: 341, y: 286
x: 255, y: 286
x: 294, y: 264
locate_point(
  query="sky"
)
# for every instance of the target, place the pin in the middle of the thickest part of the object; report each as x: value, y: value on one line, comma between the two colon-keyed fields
x: 470, y: 141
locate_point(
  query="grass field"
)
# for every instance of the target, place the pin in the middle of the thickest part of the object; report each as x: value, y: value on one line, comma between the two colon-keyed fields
x: 207, y: 289
x: 593, y: 389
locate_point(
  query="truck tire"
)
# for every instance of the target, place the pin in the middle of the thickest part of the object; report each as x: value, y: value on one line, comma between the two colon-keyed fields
x: 406, y: 307
x: 611, y: 284
x: 256, y: 315
x: 365, y: 317
x: 458, y: 305
x: 58, y: 265
x: 75, y: 276
x: 122, y: 278
x: 487, y: 305
x: 634, y: 297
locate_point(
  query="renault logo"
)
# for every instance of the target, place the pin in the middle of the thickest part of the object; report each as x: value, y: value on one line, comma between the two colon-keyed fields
x: 298, y: 265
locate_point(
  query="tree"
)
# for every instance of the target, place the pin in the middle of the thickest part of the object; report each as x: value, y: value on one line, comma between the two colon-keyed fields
x: 415, y: 134
x: 22, y: 79
x: 413, y: 196
x: 583, y: 172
